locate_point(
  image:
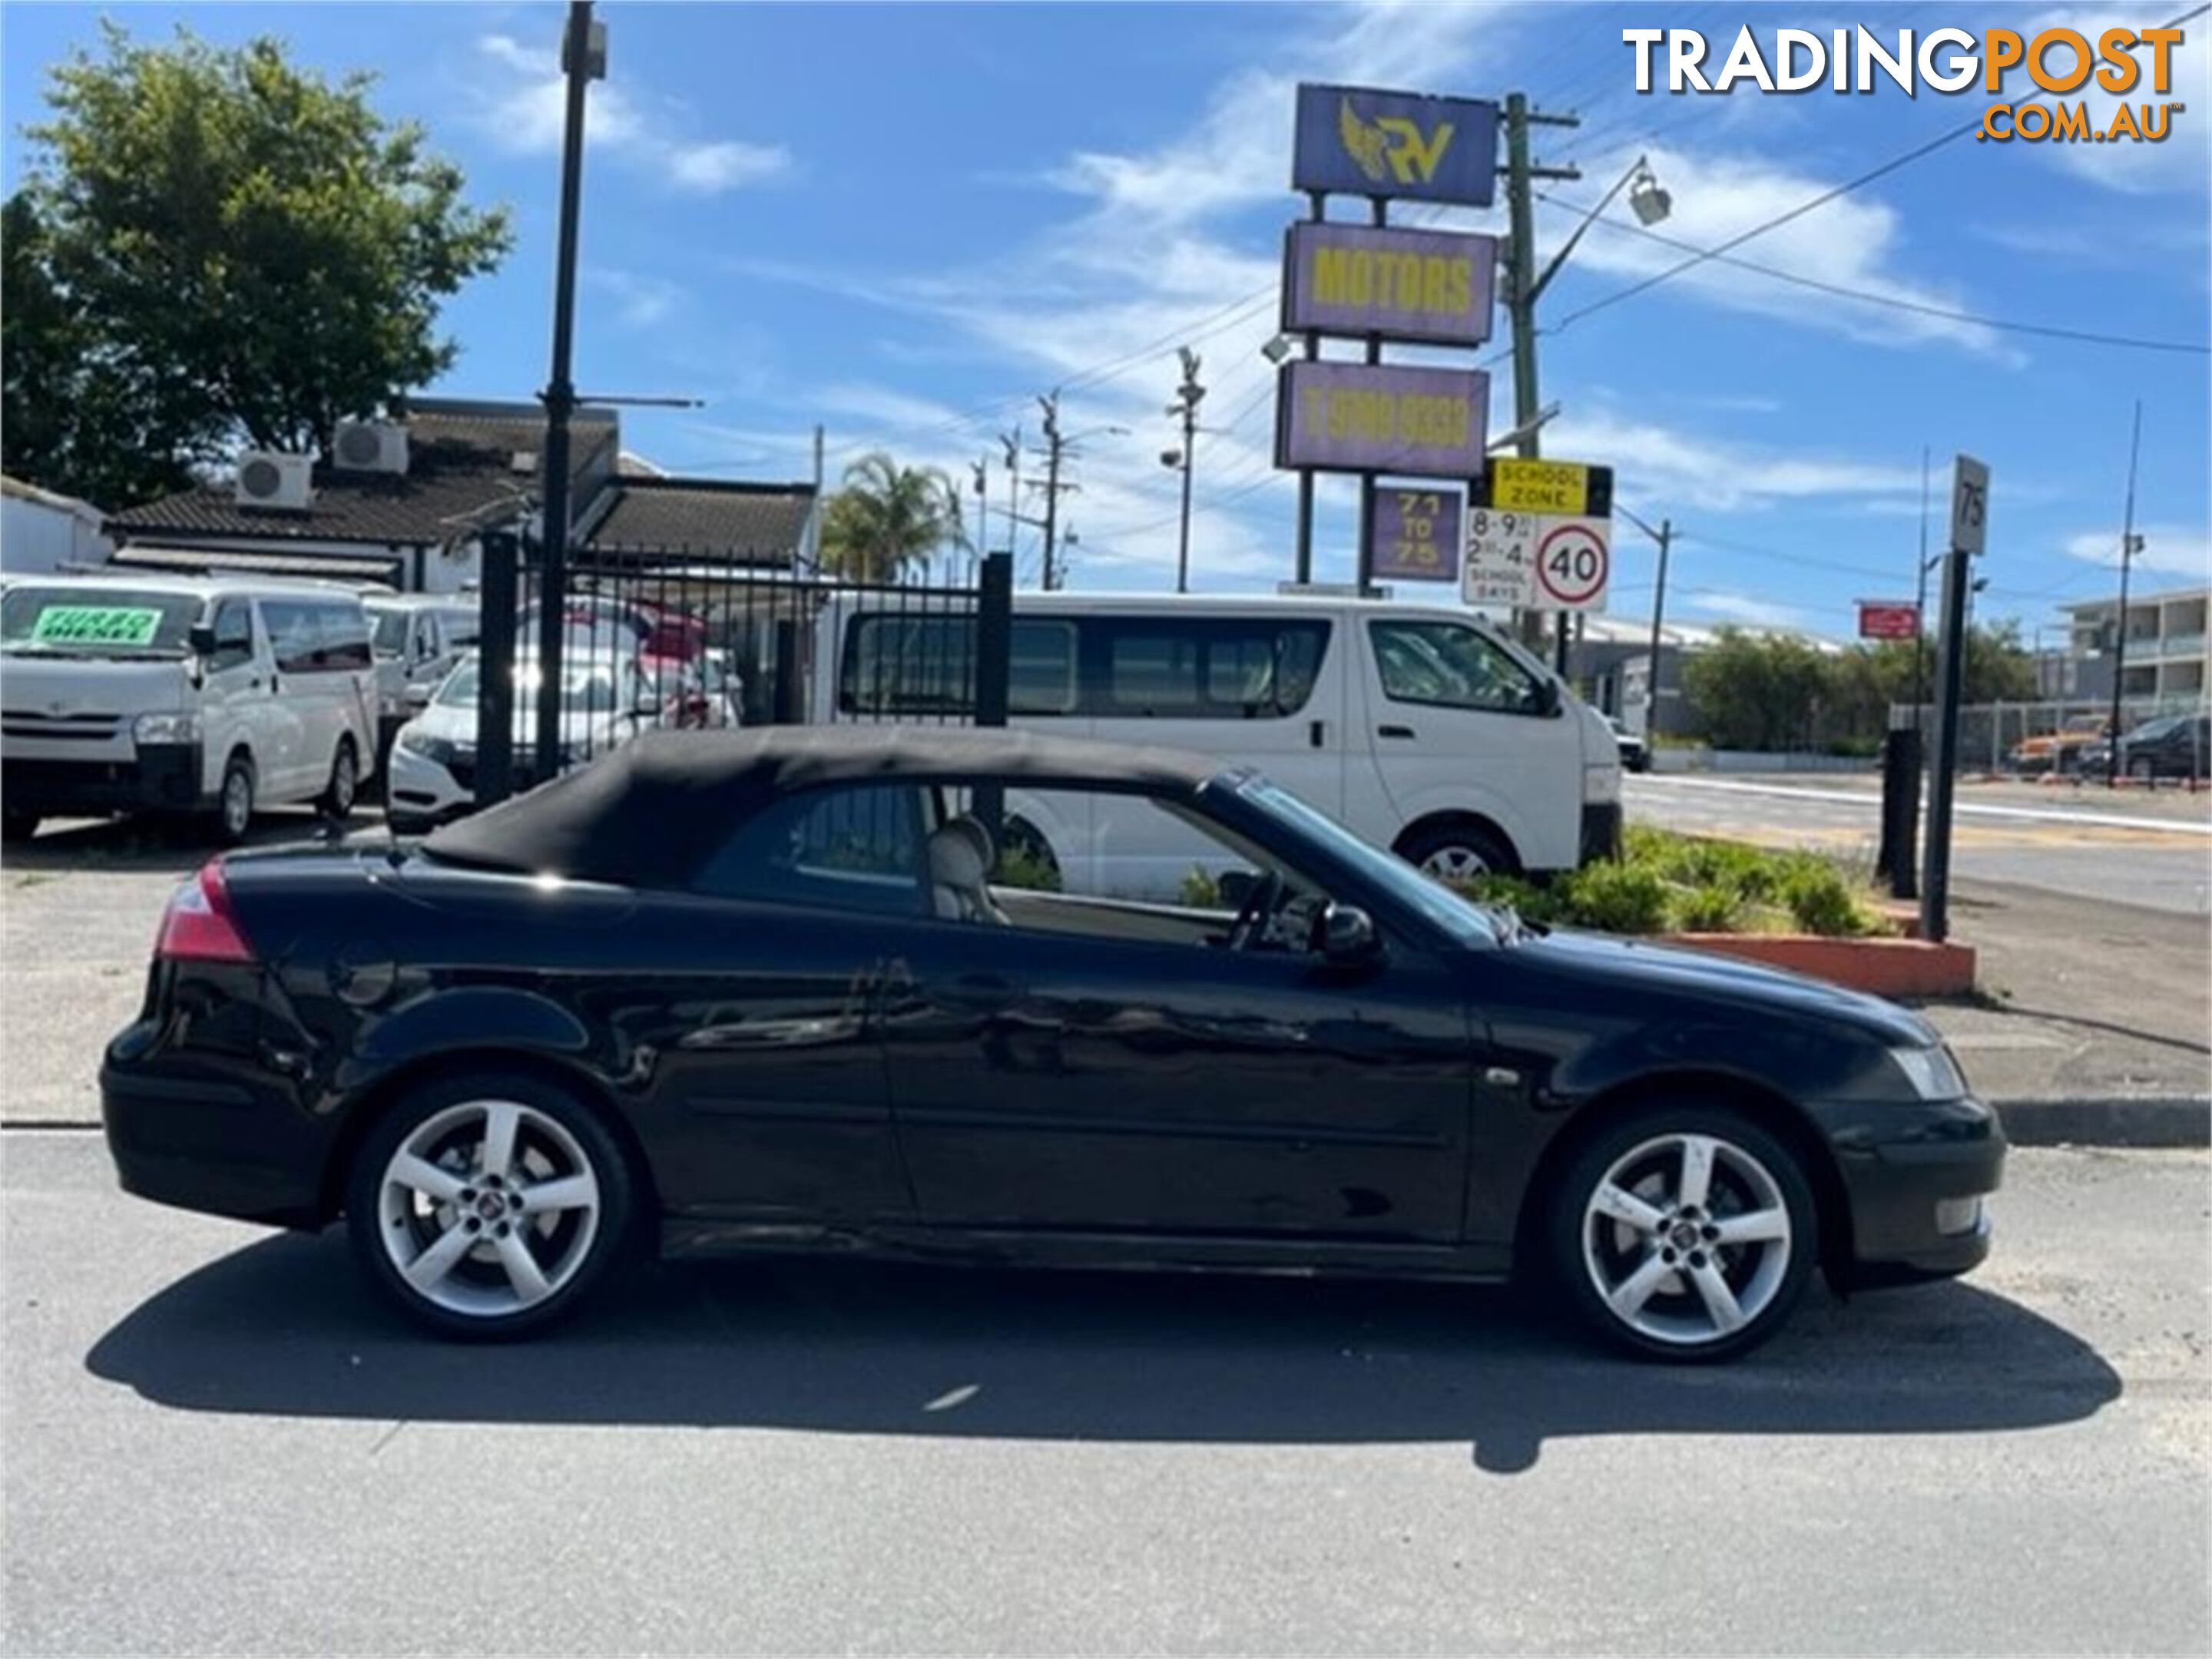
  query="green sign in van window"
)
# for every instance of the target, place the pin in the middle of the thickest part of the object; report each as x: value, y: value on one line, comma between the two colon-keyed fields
x: 97, y: 624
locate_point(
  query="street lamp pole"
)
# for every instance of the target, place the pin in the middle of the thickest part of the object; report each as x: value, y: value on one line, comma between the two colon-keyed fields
x: 2130, y: 545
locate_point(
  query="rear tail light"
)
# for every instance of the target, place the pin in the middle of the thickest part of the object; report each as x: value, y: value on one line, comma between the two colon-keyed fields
x: 200, y: 925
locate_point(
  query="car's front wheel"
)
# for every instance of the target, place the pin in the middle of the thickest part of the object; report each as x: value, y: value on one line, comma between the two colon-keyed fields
x: 1684, y: 1232
x: 489, y: 1206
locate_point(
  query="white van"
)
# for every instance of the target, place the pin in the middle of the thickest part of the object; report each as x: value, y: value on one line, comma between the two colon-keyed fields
x: 418, y: 638
x: 181, y: 694
x: 1421, y: 728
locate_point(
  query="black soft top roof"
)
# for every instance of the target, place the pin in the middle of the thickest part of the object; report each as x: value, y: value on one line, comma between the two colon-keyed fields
x: 650, y: 813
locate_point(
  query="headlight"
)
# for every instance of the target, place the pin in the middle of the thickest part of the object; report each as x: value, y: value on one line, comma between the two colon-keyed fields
x: 1931, y: 1072
x: 415, y: 741
x: 166, y: 728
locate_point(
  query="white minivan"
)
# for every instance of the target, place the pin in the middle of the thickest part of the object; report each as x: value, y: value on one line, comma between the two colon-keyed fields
x: 181, y: 694
x: 1422, y: 728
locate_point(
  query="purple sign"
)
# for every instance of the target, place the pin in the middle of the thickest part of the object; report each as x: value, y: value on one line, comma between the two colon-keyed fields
x: 1414, y: 534
x: 1381, y: 418
x: 1426, y: 285
x: 1360, y: 141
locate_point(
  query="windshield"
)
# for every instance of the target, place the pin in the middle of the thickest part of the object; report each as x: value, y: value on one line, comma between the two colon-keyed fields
x: 103, y: 622
x: 1438, y: 903
x: 387, y: 631
x: 588, y: 688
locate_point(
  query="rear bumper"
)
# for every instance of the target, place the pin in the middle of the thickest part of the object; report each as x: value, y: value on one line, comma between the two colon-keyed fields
x: 160, y: 777
x: 1912, y: 1174
x: 220, y: 1139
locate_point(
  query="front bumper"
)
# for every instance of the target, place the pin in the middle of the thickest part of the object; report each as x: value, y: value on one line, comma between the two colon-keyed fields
x: 1911, y: 1173
x: 160, y: 777
x: 419, y: 791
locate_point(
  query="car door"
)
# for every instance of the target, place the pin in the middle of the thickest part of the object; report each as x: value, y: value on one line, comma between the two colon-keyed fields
x: 235, y: 682
x: 761, y: 1017
x: 275, y: 714
x: 1073, y: 1080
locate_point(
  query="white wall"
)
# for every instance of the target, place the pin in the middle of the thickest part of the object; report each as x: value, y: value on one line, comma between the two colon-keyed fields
x: 36, y: 538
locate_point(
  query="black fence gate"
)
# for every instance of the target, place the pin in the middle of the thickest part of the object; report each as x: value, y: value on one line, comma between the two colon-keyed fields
x: 575, y: 659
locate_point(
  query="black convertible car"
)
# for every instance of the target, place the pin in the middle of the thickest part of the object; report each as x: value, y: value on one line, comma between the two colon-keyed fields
x: 774, y: 990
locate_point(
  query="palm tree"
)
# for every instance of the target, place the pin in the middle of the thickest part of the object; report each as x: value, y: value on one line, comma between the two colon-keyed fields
x: 889, y: 518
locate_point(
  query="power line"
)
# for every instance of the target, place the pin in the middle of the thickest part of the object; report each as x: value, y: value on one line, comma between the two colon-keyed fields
x: 2087, y: 336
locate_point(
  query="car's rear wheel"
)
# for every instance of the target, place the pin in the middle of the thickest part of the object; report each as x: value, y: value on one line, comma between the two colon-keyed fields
x: 1684, y: 1232
x: 2144, y: 768
x: 488, y: 1207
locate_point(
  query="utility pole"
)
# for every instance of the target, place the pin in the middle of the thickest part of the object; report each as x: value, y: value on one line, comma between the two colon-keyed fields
x: 1053, y: 446
x: 1188, y: 395
x: 583, y: 57
x: 1658, y: 612
x: 982, y: 542
x: 2130, y: 545
x: 1522, y: 289
x: 1010, y: 444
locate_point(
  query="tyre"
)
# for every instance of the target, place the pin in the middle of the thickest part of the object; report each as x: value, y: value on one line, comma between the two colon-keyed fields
x: 234, y: 802
x: 489, y: 1205
x: 18, y: 827
x: 1683, y: 1232
x: 336, y: 802
x: 1458, y: 852
x: 2144, y: 768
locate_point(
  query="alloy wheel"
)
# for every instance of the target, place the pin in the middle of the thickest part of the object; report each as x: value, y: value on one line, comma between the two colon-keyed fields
x: 237, y: 801
x: 488, y: 1207
x: 345, y: 781
x: 1687, y: 1239
x: 1454, y: 863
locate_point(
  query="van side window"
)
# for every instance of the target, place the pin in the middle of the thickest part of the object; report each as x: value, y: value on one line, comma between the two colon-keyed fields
x: 1221, y: 668
x: 1449, y: 665
x: 313, y: 637
x: 234, y: 635
x: 909, y: 665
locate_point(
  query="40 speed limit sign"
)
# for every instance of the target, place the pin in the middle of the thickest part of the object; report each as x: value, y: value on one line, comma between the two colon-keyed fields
x: 1573, y: 563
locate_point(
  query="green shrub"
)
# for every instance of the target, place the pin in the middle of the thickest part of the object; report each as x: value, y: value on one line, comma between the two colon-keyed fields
x: 1542, y: 906
x: 1713, y: 908
x: 1022, y: 866
x: 1199, y: 890
x: 1617, y: 898
x: 1819, y: 899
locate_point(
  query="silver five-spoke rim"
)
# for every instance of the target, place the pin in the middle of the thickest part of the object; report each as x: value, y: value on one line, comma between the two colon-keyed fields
x: 1454, y: 864
x: 1686, y: 1238
x: 488, y: 1207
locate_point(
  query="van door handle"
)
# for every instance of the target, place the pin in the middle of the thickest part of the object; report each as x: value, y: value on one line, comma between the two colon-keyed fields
x: 1317, y: 733
x: 1394, y: 731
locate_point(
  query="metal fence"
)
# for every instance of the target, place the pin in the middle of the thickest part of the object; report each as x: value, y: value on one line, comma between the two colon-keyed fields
x: 2038, y: 738
x: 621, y: 639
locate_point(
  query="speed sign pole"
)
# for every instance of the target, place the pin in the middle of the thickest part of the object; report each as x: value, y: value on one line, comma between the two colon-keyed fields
x: 1970, y: 502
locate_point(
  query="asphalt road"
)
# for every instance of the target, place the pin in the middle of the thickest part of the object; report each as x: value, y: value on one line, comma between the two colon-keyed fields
x: 215, y: 1443
x: 2153, y: 852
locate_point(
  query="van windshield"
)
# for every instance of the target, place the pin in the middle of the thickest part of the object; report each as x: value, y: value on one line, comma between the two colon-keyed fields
x: 96, y: 622
x: 387, y: 630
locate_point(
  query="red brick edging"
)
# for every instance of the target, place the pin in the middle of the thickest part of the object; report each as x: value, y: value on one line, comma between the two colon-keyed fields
x: 1886, y: 966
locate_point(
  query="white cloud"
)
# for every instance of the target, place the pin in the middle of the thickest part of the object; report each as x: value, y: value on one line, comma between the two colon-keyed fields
x: 2174, y: 550
x: 1666, y: 464
x: 641, y: 301
x: 1729, y: 605
x: 527, y: 115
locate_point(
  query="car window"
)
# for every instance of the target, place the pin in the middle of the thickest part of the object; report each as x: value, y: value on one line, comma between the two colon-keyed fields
x: 234, y: 635
x: 1205, y: 668
x: 908, y: 664
x: 851, y: 848
x: 1449, y: 665
x: 313, y: 637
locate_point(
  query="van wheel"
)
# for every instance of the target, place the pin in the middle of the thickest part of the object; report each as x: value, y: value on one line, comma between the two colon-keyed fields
x: 336, y: 802
x: 15, y: 827
x: 1458, y: 852
x: 2144, y: 769
x: 234, y: 805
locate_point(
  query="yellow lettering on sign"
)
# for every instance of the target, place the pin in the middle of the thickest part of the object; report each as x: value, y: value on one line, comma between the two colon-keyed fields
x: 1425, y: 284
x: 1524, y: 486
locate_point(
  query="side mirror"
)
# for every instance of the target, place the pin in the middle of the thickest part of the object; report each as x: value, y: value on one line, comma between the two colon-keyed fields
x: 647, y: 702
x: 1348, y: 936
x: 1235, y: 886
x: 1547, y: 697
x: 201, y: 639
x: 418, y: 699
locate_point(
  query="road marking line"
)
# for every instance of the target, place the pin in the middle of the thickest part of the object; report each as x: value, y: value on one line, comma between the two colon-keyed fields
x: 1866, y: 798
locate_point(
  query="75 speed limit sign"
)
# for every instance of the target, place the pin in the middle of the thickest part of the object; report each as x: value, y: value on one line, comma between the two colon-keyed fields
x: 1573, y: 562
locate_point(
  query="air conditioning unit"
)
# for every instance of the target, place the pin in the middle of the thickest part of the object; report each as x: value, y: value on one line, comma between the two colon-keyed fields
x: 370, y: 446
x: 267, y: 478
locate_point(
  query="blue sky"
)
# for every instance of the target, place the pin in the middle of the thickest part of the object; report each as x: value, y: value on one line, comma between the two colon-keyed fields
x: 901, y: 221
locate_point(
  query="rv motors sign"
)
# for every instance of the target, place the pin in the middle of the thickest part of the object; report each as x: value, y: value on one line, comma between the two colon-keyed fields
x: 1357, y: 141
x: 1434, y: 286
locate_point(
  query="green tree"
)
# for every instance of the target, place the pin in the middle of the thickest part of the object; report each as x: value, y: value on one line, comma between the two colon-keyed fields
x: 888, y: 519
x: 1756, y: 690
x: 218, y: 245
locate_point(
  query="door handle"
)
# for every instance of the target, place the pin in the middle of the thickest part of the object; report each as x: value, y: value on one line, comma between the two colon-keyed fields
x: 1317, y: 733
x: 253, y: 685
x: 1394, y: 731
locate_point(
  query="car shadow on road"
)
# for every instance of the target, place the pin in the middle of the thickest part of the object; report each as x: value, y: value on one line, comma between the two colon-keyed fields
x: 284, y: 1327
